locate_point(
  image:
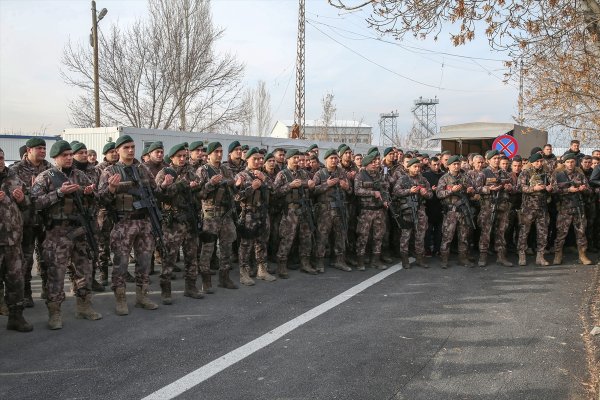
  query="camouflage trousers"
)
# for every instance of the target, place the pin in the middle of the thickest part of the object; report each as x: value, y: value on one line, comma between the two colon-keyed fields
x: 11, y: 273
x: 370, y: 220
x: 127, y: 234
x: 223, y: 229
x: 293, y: 224
x: 105, y: 225
x: 328, y: 223
x: 254, y: 237
x: 565, y: 218
x: 65, y: 247
x: 352, y: 220
x: 591, y: 209
x: 176, y: 235
x: 498, y: 226
x: 419, y: 233
x: 453, y: 221
x: 541, y: 218
x: 33, y: 237
x: 274, y: 221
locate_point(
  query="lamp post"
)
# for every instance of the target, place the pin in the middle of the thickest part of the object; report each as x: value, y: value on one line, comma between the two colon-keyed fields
x: 94, y: 42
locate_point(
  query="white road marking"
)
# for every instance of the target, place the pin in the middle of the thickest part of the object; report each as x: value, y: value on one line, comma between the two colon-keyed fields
x: 46, y: 372
x: 203, y: 373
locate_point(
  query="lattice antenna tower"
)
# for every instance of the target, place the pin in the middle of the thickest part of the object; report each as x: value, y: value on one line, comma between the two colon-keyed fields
x: 388, y: 129
x: 424, y: 123
x: 299, y: 119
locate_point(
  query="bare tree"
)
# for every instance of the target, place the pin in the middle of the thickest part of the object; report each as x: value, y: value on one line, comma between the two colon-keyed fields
x: 327, y: 116
x: 262, y: 100
x: 159, y: 73
x: 247, y: 111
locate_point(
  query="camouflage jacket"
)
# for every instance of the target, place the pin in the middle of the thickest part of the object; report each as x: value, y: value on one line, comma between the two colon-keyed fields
x: 11, y: 220
x: 102, y: 166
x: 253, y: 199
x: 444, y: 188
x: 562, y: 181
x: 493, y: 178
x: 90, y: 171
x: 155, y: 167
x: 233, y: 167
x: 221, y: 195
x: 27, y: 172
x: 325, y: 194
x: 178, y: 199
x: 403, y: 185
x: 366, y: 184
x: 528, y: 178
x: 282, y: 188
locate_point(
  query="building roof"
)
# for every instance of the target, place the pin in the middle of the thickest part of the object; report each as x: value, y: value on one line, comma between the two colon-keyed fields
x: 340, y: 123
x: 479, y: 130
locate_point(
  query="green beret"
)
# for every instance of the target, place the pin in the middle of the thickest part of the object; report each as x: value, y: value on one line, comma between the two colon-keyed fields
x: 443, y: 153
x: 312, y: 147
x: 74, y: 142
x: 373, y: 150
x: 268, y: 156
x: 425, y: 155
x: 453, y: 159
x: 387, y: 151
x: 213, y: 146
x: 291, y: 153
x: 491, y: 153
x: 170, y: 171
x: 251, y: 152
x: 145, y: 150
x: 233, y: 145
x: 195, y: 145
x: 535, y: 150
x: 59, y: 147
x: 329, y: 153
x: 175, y: 149
x: 122, y: 140
x: 155, y: 146
x: 413, y: 161
x: 108, y: 147
x: 341, y: 146
x: 78, y: 146
x: 534, y: 157
x: 569, y: 156
x: 245, y: 147
x: 343, y: 149
x: 35, y: 142
x: 368, y: 159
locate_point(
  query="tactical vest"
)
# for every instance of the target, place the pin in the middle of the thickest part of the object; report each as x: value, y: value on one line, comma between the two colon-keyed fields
x: 537, y: 199
x: 222, y: 196
x: 570, y: 201
x: 260, y: 197
x: 296, y: 194
x: 492, y: 179
x: 65, y: 209
x: 453, y: 200
x: 131, y: 180
x: 329, y: 197
x: 371, y: 183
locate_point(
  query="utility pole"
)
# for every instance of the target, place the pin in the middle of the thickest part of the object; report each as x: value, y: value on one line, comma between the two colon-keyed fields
x: 299, y: 119
x: 94, y: 42
x: 520, y: 118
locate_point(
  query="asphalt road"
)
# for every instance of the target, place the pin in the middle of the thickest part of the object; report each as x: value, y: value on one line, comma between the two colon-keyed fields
x: 483, y: 333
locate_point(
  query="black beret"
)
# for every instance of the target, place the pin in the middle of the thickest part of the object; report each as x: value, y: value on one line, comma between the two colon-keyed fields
x: 155, y: 146
x: 268, y: 156
x: 453, y: 159
x: 413, y: 161
x: 122, y: 140
x: 569, y: 156
x: 78, y: 146
x: 212, y: 146
x: 491, y: 153
x: 368, y: 159
x: 175, y: 149
x: 252, y: 152
x: 387, y: 151
x: 59, y: 147
x: 329, y: 153
x: 108, y: 147
x: 35, y: 142
x: 233, y: 145
x: 535, y: 150
x: 195, y: 145
x: 291, y: 153
x: 534, y: 157
x: 312, y: 147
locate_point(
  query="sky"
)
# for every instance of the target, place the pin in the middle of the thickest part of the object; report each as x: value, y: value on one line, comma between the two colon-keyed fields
x: 343, y: 56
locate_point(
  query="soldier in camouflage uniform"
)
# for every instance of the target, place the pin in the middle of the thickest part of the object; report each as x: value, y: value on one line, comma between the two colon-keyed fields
x: 454, y: 189
x: 217, y: 193
x: 412, y: 191
x: 293, y: 184
x: 66, y: 243
x: 270, y: 169
x: 570, y: 184
x: 12, y: 202
x: 331, y: 189
x: 495, y: 193
x: 253, y: 196
x: 120, y: 189
x: 372, y: 192
x: 591, y: 204
x: 180, y: 205
x: 348, y: 165
x: 32, y: 164
x: 534, y: 183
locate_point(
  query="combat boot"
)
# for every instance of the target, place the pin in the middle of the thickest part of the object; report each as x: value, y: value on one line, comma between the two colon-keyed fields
x: 245, y: 276
x: 386, y: 258
x: 306, y: 267
x: 360, y: 263
x: 523, y: 258
x: 463, y: 259
x: 539, y: 260
x: 142, y: 300
x: 502, y: 260
x: 85, y: 310
x: 583, y: 257
x: 339, y: 263
x: 351, y: 261
x: 191, y: 290
x: 54, y: 315
x: 444, y: 260
x: 482, y: 259
x: 207, y: 283
x: 406, y: 261
x: 253, y: 271
x: 225, y: 281
x: 558, y: 257
x: 263, y: 274
x: 420, y: 261
x: 3, y: 307
x: 376, y: 262
x: 121, y: 299
x: 16, y: 322
x: 282, y: 271
x: 165, y: 293
x: 320, y: 265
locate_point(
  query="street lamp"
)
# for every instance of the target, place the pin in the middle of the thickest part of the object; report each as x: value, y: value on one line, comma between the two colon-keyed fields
x: 94, y: 42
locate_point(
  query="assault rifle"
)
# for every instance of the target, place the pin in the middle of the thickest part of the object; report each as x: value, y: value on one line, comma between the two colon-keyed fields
x: 413, y: 203
x: 464, y: 206
x: 575, y: 198
x: 306, y: 207
x: 385, y: 196
x: 341, y: 206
